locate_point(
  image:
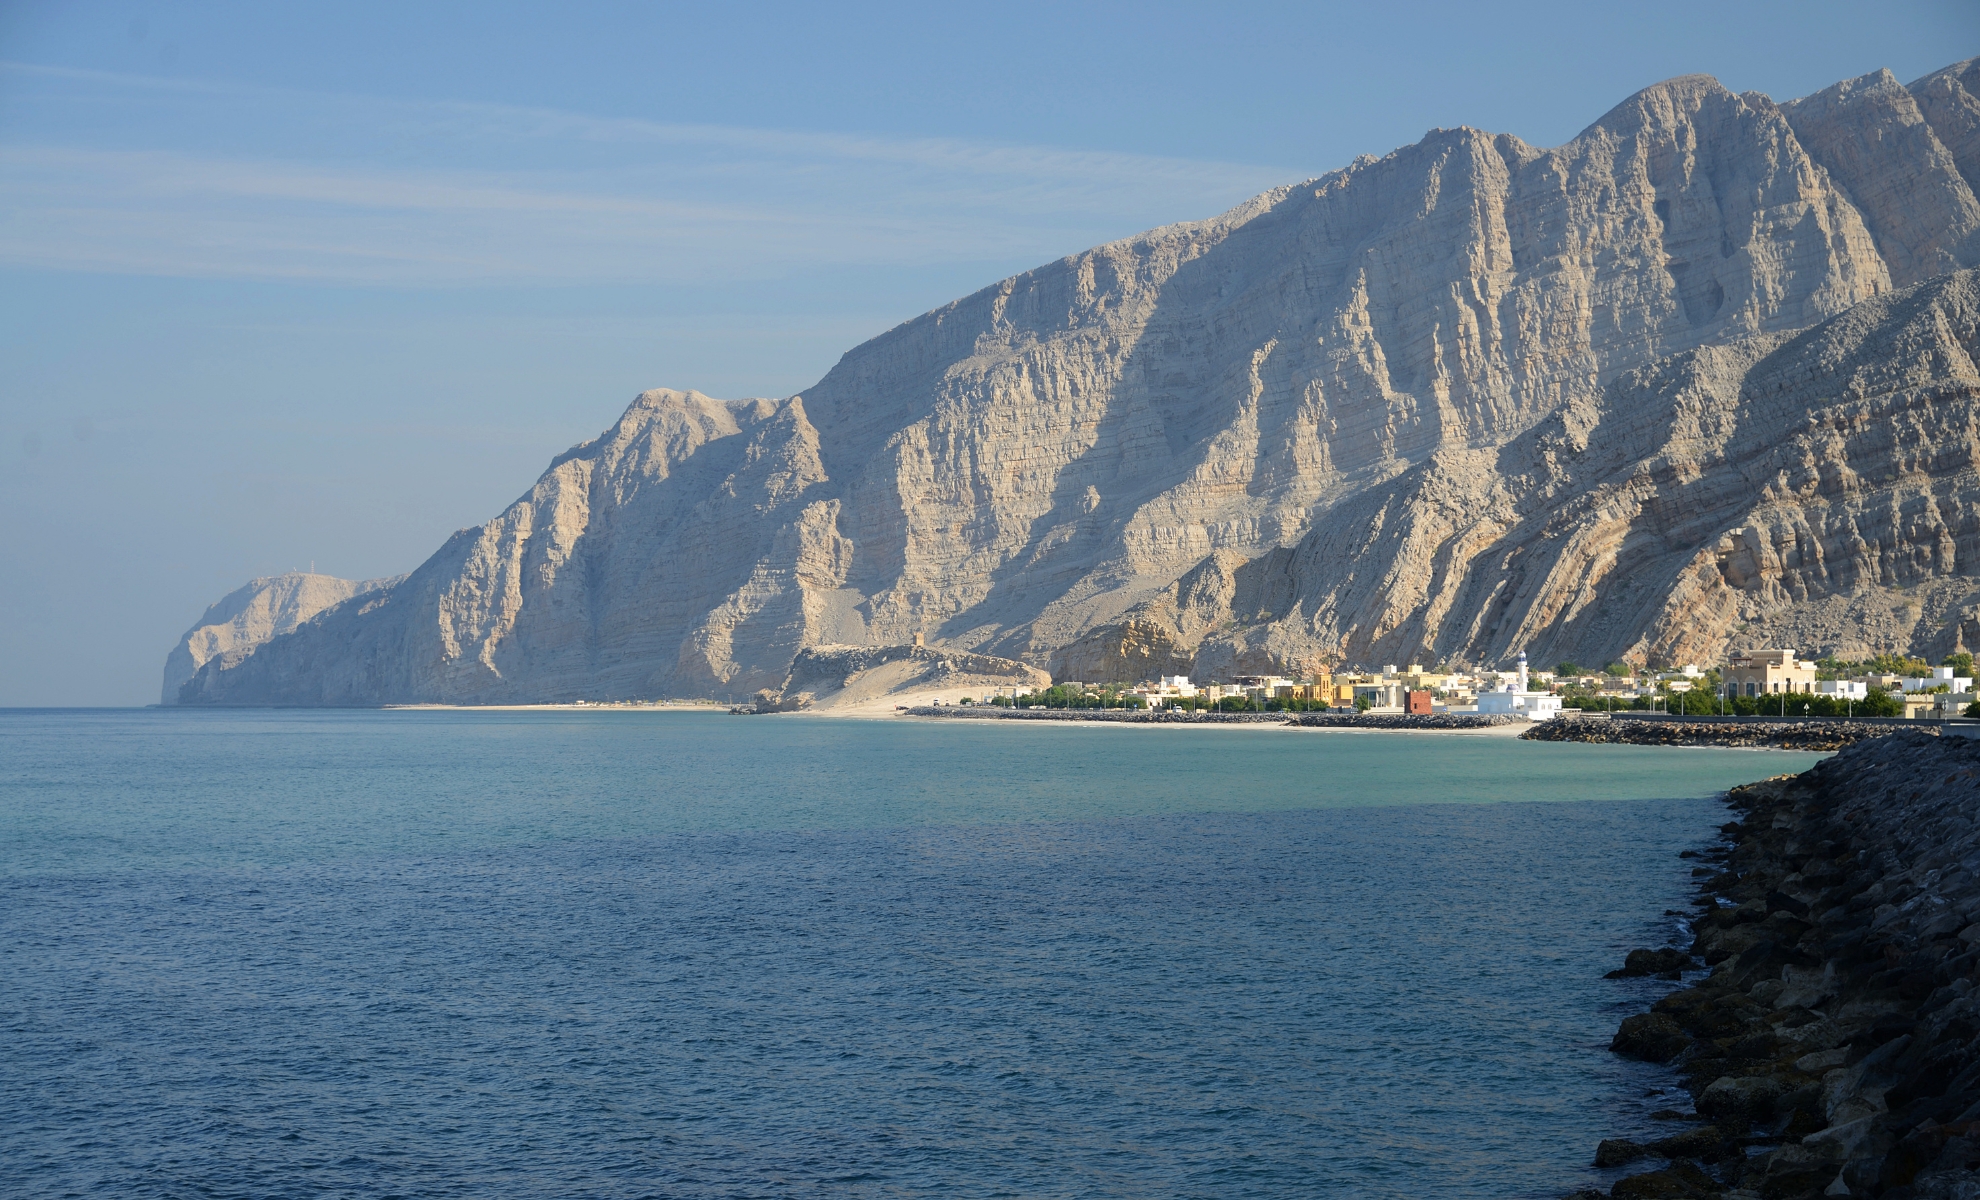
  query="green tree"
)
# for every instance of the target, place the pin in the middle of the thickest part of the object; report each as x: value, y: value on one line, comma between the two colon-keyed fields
x: 1620, y: 670
x: 1961, y: 663
x: 1567, y: 668
x: 1880, y: 703
x: 1882, y: 664
x: 1899, y: 664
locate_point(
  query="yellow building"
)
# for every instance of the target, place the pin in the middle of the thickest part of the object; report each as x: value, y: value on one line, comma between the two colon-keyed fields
x: 1340, y: 693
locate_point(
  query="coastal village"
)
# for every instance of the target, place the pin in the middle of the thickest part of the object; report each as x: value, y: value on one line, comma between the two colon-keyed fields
x: 1758, y: 682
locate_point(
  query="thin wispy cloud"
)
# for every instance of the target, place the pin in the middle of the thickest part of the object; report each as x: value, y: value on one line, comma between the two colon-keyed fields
x: 431, y: 193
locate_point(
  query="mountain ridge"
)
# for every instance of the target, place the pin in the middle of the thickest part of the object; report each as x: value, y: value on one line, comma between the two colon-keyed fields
x: 1368, y: 376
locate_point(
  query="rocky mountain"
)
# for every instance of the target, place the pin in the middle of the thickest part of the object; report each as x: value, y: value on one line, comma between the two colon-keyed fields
x: 1703, y: 374
x: 235, y: 625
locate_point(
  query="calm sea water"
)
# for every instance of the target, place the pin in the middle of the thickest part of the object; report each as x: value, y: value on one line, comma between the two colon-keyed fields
x: 675, y: 954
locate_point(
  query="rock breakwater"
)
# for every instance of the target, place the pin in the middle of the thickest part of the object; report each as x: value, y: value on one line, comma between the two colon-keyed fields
x: 1111, y: 715
x: 1791, y: 735
x: 1306, y: 720
x: 1834, y: 1049
x: 1404, y: 720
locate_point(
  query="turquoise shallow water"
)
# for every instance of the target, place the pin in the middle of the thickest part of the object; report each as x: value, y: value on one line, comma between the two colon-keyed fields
x: 677, y: 954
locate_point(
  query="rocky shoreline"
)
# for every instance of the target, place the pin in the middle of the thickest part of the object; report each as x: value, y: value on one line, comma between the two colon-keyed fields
x: 1832, y: 1049
x: 1791, y: 735
x: 1403, y: 720
x: 1817, y: 734
x: 1115, y: 716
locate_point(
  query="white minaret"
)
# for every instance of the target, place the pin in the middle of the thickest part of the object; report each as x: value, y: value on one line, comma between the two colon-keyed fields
x: 1522, y: 672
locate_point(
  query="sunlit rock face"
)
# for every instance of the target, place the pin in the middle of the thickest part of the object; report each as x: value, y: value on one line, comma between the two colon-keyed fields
x: 1624, y: 397
x: 233, y: 626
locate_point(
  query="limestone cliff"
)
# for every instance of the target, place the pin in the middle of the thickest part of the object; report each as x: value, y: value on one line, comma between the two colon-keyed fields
x: 1819, y: 490
x: 1444, y: 403
x: 246, y: 617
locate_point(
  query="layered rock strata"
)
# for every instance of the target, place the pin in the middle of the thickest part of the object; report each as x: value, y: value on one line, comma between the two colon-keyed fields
x: 1471, y: 397
x: 1834, y: 1048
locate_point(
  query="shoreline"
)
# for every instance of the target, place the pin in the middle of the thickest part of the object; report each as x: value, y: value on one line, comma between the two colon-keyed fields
x: 1367, y: 722
x: 714, y: 706
x: 1832, y: 1049
x: 1819, y: 734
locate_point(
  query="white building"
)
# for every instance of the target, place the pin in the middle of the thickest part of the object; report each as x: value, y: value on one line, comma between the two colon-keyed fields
x: 1842, y: 689
x: 1940, y: 677
x: 1165, y: 689
x: 1516, y: 700
x: 1534, y: 706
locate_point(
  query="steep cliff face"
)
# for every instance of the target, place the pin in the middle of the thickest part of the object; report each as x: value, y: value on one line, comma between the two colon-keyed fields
x: 1820, y: 490
x: 249, y: 615
x: 615, y: 575
x: 1874, y: 139
x: 1346, y: 419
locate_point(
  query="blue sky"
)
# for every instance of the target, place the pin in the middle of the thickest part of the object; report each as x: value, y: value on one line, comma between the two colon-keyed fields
x: 283, y: 286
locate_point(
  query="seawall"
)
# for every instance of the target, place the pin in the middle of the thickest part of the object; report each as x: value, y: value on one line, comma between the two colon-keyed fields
x: 1831, y: 1050
x: 1815, y: 734
x: 1118, y: 716
x: 1145, y: 717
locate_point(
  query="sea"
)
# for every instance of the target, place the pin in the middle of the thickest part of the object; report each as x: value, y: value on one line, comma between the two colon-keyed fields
x: 639, y: 953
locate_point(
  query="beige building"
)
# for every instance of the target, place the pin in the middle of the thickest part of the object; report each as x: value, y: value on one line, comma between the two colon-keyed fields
x: 1916, y: 707
x: 1767, y: 672
x: 1382, y: 697
x: 1416, y: 679
x: 1260, y: 687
